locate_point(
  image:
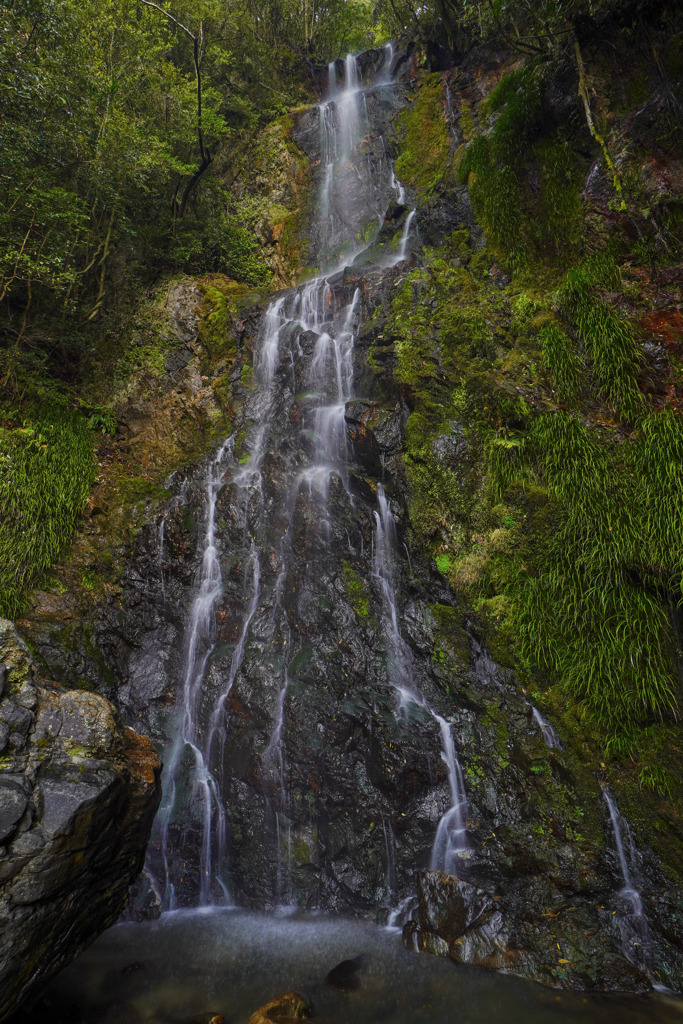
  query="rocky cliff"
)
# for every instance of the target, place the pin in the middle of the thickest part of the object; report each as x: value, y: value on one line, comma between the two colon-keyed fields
x: 78, y: 793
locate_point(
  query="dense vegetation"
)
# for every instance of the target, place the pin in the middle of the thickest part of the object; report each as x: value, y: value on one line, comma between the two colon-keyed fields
x: 562, y: 523
x: 106, y: 183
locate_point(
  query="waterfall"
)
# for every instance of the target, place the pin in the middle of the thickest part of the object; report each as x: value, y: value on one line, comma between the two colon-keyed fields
x: 450, y: 843
x: 204, y: 798
x: 306, y: 345
x: 550, y: 737
x: 631, y: 918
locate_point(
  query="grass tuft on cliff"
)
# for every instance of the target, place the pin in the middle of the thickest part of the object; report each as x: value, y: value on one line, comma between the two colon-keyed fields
x: 46, y: 471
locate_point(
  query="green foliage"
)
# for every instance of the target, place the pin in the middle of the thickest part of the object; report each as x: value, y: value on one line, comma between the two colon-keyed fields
x: 586, y: 613
x: 568, y: 540
x: 226, y: 245
x: 46, y: 471
x: 508, y: 462
x: 523, y: 221
x: 607, y: 337
x: 493, y: 163
x: 560, y: 359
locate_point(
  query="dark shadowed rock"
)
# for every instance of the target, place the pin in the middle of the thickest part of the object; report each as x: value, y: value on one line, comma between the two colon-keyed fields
x: 346, y: 975
x: 77, y: 799
x: 448, y: 905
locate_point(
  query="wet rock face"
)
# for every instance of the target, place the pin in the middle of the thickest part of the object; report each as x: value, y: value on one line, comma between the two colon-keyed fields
x: 78, y: 793
x: 503, y: 932
x: 342, y: 812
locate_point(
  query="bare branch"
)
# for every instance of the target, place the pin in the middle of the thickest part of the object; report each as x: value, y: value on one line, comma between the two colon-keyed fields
x: 149, y: 3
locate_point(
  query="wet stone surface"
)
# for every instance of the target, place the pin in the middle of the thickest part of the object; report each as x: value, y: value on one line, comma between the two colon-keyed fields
x: 77, y: 799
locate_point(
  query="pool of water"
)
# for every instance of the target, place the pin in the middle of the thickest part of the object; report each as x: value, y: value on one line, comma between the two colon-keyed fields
x: 188, y: 966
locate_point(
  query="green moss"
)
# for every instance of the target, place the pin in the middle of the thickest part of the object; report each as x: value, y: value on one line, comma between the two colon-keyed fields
x: 218, y: 313
x: 88, y: 578
x: 132, y: 489
x: 425, y: 145
x: 247, y: 375
x: 240, y: 438
x: 359, y: 598
x: 524, y: 178
x: 301, y: 851
x: 467, y: 125
x: 443, y: 563
x: 77, y: 750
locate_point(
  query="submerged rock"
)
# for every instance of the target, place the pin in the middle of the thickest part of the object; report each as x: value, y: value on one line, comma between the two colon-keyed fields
x: 290, y: 1006
x: 345, y: 975
x: 78, y: 793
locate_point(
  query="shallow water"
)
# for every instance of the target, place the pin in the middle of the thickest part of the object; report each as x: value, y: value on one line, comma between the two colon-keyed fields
x: 192, y: 964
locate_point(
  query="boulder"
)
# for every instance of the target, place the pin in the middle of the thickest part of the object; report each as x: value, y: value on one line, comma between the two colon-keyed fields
x: 288, y: 1007
x: 447, y: 905
x: 78, y: 794
x: 345, y: 975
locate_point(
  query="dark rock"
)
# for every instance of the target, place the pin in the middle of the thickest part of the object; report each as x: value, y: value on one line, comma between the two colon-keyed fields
x: 14, y: 797
x: 345, y: 975
x: 447, y: 905
x: 76, y: 809
x: 451, y: 449
x: 441, y: 215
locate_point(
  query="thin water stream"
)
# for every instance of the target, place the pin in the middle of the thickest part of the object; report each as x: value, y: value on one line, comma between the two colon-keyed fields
x: 450, y: 843
x: 631, y: 916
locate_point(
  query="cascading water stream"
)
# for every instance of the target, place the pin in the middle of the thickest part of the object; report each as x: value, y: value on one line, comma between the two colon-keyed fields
x: 450, y: 843
x: 201, y: 777
x: 196, y: 764
x: 331, y: 381
x: 200, y: 644
x: 550, y: 737
x: 631, y: 917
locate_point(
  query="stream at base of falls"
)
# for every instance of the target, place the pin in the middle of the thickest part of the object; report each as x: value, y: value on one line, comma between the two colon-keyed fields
x: 192, y: 965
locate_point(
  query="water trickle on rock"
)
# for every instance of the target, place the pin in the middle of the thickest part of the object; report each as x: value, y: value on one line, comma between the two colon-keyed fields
x: 550, y: 737
x: 188, y: 764
x: 631, y: 917
x: 450, y: 843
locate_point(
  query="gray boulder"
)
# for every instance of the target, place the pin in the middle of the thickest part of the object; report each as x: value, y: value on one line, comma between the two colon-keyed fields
x: 78, y: 793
